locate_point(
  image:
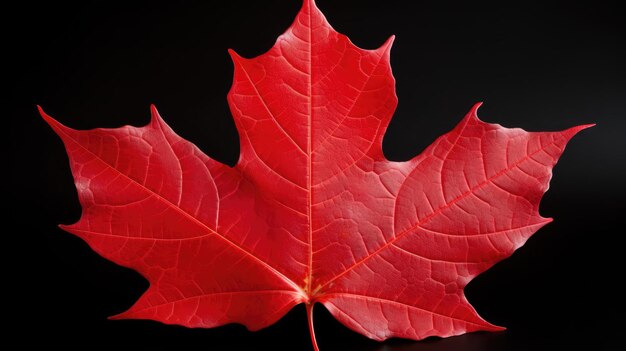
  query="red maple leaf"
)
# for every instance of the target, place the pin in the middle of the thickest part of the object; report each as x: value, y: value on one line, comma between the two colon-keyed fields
x: 312, y: 212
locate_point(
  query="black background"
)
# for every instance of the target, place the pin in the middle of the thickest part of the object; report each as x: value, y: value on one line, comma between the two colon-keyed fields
x: 101, y: 63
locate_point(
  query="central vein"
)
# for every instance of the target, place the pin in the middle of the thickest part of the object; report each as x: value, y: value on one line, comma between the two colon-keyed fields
x: 309, y: 179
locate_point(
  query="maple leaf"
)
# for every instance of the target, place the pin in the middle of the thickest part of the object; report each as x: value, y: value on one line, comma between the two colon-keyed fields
x: 312, y: 212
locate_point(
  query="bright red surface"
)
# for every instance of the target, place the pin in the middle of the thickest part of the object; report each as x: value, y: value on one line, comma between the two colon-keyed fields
x: 312, y: 212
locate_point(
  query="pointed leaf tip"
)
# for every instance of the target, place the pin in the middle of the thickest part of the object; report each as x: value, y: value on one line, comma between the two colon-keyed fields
x: 53, y: 123
x: 156, y: 121
x: 234, y: 55
x: 119, y: 316
x: 387, y: 45
x: 154, y: 114
x: 44, y: 115
x: 473, y: 113
x: 476, y: 107
x: 570, y: 132
x: 389, y: 41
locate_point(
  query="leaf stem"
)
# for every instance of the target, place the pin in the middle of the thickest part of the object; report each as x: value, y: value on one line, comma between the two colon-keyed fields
x: 309, y: 313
